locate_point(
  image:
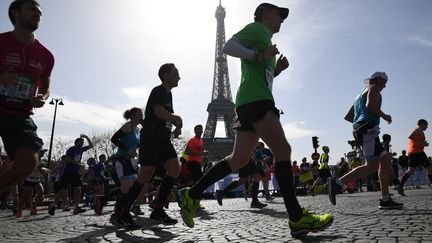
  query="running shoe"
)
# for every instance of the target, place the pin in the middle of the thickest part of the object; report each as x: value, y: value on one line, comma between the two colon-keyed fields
x: 65, y: 207
x: 98, y: 211
x: 115, y: 220
x: 401, y: 191
x: 33, y: 211
x: 189, y: 206
x: 389, y: 204
x: 126, y: 220
x: 51, y: 209
x: 258, y: 204
x: 219, y: 197
x: 309, y: 222
x: 269, y: 198
x: 18, y: 214
x: 78, y: 210
x: 161, y: 215
x: 136, y: 209
x: 333, y: 189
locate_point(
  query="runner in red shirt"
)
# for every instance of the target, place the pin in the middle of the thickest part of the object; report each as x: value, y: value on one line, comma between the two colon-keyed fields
x: 195, y: 151
x: 25, y: 70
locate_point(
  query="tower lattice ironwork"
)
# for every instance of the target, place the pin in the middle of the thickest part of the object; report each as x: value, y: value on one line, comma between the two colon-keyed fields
x: 221, y: 106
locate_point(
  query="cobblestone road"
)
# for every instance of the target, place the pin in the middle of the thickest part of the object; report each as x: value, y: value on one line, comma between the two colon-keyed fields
x: 357, y: 218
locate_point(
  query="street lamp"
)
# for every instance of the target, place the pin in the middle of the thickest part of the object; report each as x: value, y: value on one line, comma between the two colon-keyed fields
x: 54, y: 101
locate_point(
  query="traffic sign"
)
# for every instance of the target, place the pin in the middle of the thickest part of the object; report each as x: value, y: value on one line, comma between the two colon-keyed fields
x: 315, y: 156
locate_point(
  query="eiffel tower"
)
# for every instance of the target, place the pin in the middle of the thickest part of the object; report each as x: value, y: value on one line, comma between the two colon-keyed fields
x: 221, y: 107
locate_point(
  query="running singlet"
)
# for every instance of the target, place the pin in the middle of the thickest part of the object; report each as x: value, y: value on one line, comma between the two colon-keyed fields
x: 152, y: 125
x: 361, y: 112
x: 324, y: 161
x: 196, y: 145
x: 31, y: 63
x: 414, y: 147
x: 131, y: 141
x: 256, y: 77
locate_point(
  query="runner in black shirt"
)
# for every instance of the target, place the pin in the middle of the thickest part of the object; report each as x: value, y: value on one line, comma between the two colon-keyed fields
x: 156, y: 148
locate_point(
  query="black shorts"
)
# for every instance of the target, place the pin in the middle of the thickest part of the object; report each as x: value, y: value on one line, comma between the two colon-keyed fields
x: 324, y: 173
x: 30, y: 184
x: 250, y: 169
x: 124, y: 167
x: 252, y: 112
x: 418, y: 159
x: 73, y: 179
x: 18, y: 132
x: 155, y: 150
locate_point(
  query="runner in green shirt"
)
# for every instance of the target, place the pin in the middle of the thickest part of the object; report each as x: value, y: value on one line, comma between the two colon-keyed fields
x: 257, y: 117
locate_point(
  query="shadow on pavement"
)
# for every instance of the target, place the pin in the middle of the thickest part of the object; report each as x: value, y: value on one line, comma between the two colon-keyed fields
x: 267, y: 211
x: 319, y: 238
x: 154, y: 233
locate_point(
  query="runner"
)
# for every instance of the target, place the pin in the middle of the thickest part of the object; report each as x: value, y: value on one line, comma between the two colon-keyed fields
x: 72, y: 172
x: 127, y: 140
x: 156, y: 147
x: 257, y: 117
x: 195, y: 152
x: 323, y: 170
x: 416, y: 154
x: 25, y: 70
x: 365, y: 116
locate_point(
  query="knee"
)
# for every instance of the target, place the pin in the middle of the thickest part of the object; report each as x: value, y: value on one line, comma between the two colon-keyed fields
x: 25, y: 167
x: 173, y: 170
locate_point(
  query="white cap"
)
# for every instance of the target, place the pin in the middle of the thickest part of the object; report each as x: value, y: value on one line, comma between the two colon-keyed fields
x: 376, y: 75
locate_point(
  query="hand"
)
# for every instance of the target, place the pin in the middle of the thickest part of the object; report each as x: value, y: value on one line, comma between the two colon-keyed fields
x: 281, y: 64
x: 177, y: 132
x: 132, y: 153
x: 38, y: 101
x: 8, y: 79
x: 387, y: 118
x: 205, y: 153
x: 177, y: 121
x: 269, y: 52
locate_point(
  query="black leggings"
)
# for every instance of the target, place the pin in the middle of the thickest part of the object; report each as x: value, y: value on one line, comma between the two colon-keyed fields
x: 195, y: 169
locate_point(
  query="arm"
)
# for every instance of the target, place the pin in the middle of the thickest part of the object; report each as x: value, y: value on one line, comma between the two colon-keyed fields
x: 234, y: 48
x: 163, y: 114
x: 373, y: 97
x: 115, y: 139
x: 90, y: 143
x: 350, y: 115
x: 43, y: 93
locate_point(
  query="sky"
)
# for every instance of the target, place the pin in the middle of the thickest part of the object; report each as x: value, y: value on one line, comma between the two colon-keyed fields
x: 108, y: 53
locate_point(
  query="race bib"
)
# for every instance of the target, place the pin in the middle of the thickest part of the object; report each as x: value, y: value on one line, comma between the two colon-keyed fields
x: 24, y: 90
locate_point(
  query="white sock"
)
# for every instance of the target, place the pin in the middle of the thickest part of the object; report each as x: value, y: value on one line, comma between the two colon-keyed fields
x: 385, y: 198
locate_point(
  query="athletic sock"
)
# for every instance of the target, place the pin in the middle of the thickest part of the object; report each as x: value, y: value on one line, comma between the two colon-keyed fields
x: 255, y: 187
x: 286, y: 184
x: 164, y: 191
x: 385, y: 198
x: 133, y: 193
x: 233, y: 185
x: 404, y: 179
x: 217, y: 172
